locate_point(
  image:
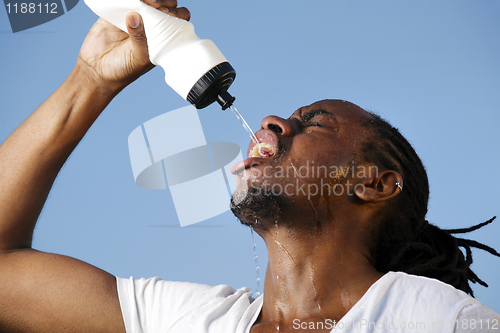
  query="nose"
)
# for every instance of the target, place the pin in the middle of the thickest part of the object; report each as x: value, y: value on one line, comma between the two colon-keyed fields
x: 277, y: 124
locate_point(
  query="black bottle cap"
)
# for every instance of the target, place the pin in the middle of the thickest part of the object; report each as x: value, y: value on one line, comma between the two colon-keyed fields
x: 213, y: 87
x: 225, y: 99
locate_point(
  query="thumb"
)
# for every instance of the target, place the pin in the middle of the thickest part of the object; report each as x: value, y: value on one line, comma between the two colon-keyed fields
x: 135, y: 27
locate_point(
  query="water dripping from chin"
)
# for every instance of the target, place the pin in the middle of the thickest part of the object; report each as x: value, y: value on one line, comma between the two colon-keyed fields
x: 257, y: 268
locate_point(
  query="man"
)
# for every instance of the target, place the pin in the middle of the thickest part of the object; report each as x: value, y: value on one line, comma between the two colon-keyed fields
x: 337, y: 194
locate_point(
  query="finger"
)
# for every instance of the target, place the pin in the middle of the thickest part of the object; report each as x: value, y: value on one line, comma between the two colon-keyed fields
x: 135, y: 26
x: 181, y: 12
x: 161, y: 3
x: 137, y: 35
x: 167, y: 3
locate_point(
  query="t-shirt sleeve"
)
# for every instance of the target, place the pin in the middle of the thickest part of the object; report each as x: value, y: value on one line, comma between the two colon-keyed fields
x: 148, y: 304
x: 155, y: 305
x: 477, y: 318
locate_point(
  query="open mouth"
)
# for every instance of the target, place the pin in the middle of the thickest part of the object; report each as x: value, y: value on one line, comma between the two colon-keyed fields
x: 262, y: 149
x: 258, y: 152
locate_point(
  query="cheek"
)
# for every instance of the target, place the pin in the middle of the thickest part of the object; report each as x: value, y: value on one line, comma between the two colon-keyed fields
x: 320, y: 173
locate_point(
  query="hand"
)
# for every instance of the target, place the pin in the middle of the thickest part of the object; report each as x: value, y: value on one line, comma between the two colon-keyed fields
x: 113, y: 58
x: 170, y: 7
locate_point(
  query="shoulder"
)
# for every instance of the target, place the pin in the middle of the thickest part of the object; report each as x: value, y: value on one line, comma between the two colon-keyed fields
x: 157, y: 285
x: 404, y: 301
x: 477, y: 318
x: 157, y: 292
x: 425, y: 290
x: 154, y: 305
x: 422, y: 285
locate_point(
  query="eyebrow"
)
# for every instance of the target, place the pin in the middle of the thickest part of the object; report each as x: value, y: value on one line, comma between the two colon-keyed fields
x: 313, y: 113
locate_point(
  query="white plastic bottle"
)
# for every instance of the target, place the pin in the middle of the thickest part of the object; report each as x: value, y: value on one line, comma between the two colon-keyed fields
x: 194, y: 67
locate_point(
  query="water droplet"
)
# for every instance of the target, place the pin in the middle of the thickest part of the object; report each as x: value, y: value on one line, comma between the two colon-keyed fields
x: 284, y: 249
x: 314, y: 288
x: 257, y: 268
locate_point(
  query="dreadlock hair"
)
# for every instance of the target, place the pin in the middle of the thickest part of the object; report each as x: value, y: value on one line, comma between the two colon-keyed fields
x: 405, y: 241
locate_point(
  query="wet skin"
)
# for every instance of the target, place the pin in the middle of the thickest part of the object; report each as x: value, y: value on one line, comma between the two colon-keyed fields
x: 318, y: 244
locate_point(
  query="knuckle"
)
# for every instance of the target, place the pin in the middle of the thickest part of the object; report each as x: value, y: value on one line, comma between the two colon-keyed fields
x: 172, y: 11
x: 184, y: 13
x: 168, y: 3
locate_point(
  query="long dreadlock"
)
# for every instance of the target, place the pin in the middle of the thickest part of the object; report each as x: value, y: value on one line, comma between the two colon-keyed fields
x: 405, y: 240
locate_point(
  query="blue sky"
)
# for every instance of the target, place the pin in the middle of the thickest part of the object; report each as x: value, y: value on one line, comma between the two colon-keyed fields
x: 431, y: 68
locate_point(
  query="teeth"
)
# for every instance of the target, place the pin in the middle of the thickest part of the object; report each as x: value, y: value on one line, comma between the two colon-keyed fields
x: 262, y: 149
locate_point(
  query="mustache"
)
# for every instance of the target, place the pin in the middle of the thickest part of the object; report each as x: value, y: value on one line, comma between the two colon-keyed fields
x: 281, y: 149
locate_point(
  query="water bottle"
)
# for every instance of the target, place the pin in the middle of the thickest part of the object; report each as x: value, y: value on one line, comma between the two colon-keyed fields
x: 194, y: 67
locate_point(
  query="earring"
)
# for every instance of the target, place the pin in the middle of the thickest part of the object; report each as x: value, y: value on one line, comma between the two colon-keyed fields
x: 399, y: 185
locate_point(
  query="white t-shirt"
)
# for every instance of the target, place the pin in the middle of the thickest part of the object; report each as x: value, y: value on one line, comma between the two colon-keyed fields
x: 397, y: 302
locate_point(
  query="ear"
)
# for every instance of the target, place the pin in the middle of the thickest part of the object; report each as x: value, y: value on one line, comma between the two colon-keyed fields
x: 383, y: 187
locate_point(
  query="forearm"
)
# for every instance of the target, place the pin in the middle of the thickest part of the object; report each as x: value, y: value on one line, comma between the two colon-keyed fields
x: 31, y: 157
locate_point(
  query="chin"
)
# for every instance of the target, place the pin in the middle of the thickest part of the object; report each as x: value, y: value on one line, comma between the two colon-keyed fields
x: 255, y: 207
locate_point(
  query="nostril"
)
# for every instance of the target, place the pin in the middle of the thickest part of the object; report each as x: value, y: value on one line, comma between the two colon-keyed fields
x: 275, y: 128
x: 278, y: 125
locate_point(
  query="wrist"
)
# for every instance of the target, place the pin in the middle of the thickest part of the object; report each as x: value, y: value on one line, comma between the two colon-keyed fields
x: 76, y: 104
x: 87, y: 79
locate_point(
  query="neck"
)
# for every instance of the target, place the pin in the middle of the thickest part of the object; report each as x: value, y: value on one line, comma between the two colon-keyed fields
x: 313, y: 275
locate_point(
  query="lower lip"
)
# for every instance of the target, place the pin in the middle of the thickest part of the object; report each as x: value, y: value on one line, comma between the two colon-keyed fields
x: 245, y: 164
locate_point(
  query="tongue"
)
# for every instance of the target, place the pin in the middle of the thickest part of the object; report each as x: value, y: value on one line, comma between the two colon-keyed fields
x: 263, y: 150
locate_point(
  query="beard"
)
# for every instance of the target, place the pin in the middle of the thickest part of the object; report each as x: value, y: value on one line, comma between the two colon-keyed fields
x: 257, y: 207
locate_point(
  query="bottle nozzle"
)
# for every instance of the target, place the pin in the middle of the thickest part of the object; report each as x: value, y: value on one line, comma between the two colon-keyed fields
x: 225, y: 99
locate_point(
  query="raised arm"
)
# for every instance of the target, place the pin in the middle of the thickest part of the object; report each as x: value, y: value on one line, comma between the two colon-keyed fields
x: 41, y: 292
